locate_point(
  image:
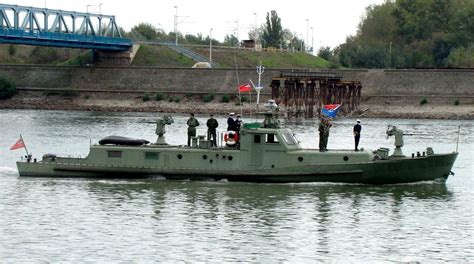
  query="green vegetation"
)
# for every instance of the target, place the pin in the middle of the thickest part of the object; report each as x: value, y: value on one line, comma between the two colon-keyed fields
x: 160, y: 56
x: 11, y: 50
x: 7, y: 88
x: 81, y: 59
x: 395, y: 34
x: 423, y: 101
x: 160, y: 96
x: 456, y: 102
x: 175, y: 99
x: 225, y: 99
x: 227, y: 58
x: 244, y: 99
x: 207, y: 98
x: 146, y: 97
x: 412, y: 33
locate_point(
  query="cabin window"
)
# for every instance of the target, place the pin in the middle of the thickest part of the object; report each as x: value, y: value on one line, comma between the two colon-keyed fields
x: 151, y: 155
x: 256, y: 139
x: 271, y: 138
x: 114, y: 154
x: 289, y: 138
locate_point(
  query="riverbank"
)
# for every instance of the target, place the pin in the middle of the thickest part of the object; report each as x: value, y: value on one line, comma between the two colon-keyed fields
x: 372, y: 108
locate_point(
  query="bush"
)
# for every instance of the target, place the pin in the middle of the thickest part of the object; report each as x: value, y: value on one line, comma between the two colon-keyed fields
x: 207, y: 98
x: 456, y: 102
x: 146, y: 97
x: 177, y: 99
x: 225, y: 99
x: 160, y: 96
x: 7, y: 88
x: 244, y: 99
x: 12, y: 50
x: 44, y: 55
x: 423, y: 101
x: 189, y: 95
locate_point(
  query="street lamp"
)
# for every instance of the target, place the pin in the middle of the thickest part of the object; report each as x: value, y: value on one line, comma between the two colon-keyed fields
x: 312, y: 41
x: 210, y: 47
x: 307, y: 33
x: 255, y: 26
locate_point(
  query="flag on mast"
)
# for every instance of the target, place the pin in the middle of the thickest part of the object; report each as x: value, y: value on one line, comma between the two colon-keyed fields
x: 330, y: 110
x: 245, y: 88
x: 19, y: 144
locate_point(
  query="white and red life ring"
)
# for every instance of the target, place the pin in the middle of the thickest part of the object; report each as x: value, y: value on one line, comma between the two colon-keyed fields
x: 231, y: 138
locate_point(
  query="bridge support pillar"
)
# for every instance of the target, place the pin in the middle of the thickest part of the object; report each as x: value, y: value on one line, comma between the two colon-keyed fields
x: 117, y: 58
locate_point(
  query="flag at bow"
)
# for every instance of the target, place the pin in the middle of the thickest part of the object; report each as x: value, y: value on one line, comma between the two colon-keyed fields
x: 18, y: 144
x: 245, y: 88
x: 331, y: 110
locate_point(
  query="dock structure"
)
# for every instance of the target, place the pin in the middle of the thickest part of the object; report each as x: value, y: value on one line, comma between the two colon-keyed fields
x: 303, y: 93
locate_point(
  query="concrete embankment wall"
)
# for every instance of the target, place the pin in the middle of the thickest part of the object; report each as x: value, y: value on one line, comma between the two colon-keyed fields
x: 456, y: 83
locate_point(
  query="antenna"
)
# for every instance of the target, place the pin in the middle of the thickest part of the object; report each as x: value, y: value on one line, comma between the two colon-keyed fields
x: 259, y: 87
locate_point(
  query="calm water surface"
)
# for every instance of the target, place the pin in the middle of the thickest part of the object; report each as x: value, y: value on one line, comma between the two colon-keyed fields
x: 91, y: 220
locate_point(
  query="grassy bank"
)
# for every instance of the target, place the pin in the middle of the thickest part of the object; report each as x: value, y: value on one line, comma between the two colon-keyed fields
x: 162, y: 56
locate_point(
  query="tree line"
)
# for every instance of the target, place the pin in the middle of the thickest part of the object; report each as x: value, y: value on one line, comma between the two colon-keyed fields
x: 410, y: 34
x: 269, y: 34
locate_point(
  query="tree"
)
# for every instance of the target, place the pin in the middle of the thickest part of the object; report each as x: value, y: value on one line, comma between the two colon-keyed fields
x: 144, y: 31
x: 325, y: 53
x: 273, y: 32
x: 231, y: 40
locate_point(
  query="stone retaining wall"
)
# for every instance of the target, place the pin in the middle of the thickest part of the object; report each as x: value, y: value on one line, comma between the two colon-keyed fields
x: 434, y: 82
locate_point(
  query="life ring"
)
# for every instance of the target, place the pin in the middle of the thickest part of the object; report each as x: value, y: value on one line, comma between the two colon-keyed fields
x: 231, y: 138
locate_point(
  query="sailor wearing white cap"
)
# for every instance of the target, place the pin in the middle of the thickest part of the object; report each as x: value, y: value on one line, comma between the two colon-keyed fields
x: 231, y: 122
x: 356, y: 132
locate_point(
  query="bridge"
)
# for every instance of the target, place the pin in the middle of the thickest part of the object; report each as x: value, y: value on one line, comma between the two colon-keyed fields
x: 58, y: 28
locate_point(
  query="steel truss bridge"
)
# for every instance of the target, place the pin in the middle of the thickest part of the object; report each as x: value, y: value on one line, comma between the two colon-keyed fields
x: 58, y: 28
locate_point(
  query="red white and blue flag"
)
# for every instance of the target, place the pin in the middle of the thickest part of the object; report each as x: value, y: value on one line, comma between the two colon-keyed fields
x: 330, y: 110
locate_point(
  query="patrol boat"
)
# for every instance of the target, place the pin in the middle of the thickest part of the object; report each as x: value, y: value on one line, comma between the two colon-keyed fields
x: 264, y: 152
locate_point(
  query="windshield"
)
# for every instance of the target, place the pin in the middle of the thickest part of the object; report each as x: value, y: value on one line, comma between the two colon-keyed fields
x: 289, y: 138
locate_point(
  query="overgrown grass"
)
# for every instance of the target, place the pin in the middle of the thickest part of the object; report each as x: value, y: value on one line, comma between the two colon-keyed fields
x: 160, y: 56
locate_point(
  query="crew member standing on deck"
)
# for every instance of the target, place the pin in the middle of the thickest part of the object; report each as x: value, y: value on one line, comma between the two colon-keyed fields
x: 356, y: 131
x: 192, y: 124
x: 212, y: 124
x: 324, y: 126
x: 231, y: 122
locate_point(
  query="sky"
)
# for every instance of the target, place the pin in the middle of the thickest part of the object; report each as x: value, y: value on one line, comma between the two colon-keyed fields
x: 318, y: 22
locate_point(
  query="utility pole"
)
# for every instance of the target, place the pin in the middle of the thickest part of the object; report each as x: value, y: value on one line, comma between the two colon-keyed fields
x: 210, y: 47
x: 176, y: 26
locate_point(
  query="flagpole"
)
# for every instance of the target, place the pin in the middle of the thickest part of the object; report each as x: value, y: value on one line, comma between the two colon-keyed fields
x: 24, y: 144
x: 238, y: 83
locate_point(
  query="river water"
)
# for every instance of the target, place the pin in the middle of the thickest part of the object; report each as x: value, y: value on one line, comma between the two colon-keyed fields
x: 154, y: 220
